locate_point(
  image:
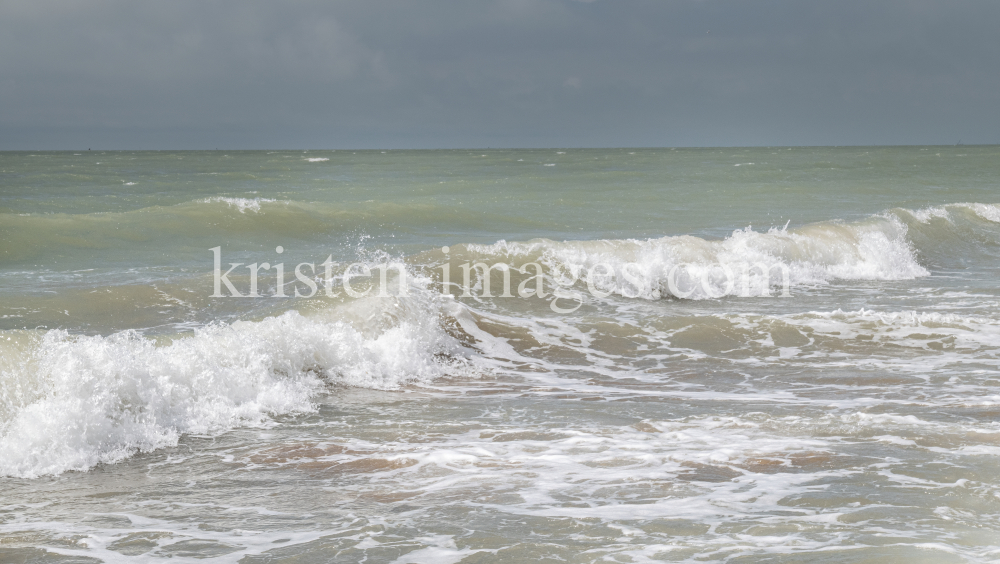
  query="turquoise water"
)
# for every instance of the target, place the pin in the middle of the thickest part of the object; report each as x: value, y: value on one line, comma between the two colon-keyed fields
x: 837, y: 404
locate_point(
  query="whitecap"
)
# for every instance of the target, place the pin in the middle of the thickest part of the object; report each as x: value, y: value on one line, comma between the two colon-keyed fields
x: 242, y: 204
x: 72, y: 401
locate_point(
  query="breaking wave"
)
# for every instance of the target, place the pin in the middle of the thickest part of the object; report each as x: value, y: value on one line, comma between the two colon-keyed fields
x: 747, y: 262
x: 70, y: 402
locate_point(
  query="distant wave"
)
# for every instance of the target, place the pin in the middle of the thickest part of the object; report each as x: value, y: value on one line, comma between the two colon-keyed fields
x: 989, y: 212
x: 242, y: 204
x: 877, y: 248
x: 894, y: 245
x: 203, y: 222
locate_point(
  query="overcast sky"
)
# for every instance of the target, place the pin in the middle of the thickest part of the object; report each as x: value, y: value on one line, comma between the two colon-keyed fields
x: 503, y: 73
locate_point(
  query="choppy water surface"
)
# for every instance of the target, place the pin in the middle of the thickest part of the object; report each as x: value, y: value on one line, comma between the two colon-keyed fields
x: 854, y: 420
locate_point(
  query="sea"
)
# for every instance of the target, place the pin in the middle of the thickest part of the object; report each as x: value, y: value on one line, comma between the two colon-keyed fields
x: 741, y: 355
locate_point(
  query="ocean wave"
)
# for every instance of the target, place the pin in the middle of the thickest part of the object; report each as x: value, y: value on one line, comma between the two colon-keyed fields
x: 70, y: 402
x: 196, y: 223
x: 242, y: 204
x: 747, y: 263
x: 37, y: 236
x: 989, y: 212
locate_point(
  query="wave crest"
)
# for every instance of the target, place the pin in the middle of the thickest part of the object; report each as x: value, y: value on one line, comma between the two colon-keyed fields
x: 747, y: 263
x: 79, y: 401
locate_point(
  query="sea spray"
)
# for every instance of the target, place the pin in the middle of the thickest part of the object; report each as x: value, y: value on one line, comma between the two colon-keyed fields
x: 747, y: 263
x: 97, y: 399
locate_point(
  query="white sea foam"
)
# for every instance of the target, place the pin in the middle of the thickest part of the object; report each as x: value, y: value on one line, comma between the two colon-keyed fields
x: 317, y: 159
x: 989, y: 212
x: 242, y: 204
x: 925, y: 215
x: 931, y: 331
x: 746, y: 263
x: 71, y: 402
x: 83, y: 540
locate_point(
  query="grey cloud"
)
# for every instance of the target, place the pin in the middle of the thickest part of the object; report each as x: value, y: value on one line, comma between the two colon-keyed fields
x: 382, y: 73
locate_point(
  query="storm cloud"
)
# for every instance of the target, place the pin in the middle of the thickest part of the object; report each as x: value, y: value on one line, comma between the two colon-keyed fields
x: 504, y: 73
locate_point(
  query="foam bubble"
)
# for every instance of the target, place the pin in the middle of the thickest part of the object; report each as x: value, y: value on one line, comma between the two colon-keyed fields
x: 242, y: 204
x: 746, y: 263
x: 989, y: 212
x: 925, y: 215
x: 78, y: 401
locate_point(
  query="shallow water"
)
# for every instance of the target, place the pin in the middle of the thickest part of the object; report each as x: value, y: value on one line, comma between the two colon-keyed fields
x: 841, y: 407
